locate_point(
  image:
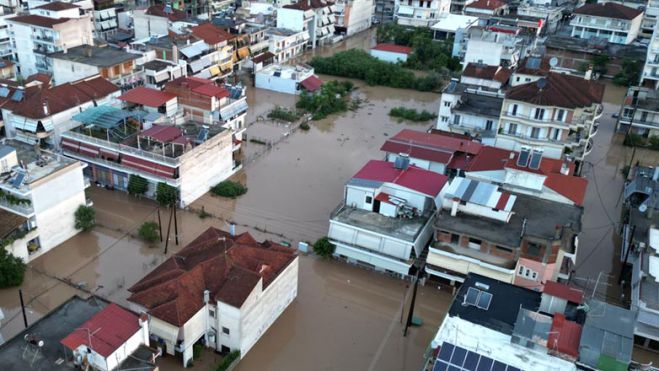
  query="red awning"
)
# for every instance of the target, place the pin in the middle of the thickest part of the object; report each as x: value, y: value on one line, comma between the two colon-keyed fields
x: 148, y: 166
x: 312, y: 83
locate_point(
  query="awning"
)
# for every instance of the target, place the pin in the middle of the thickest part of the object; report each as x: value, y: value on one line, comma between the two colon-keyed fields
x: 194, y: 50
x: 161, y: 77
x: 197, y: 66
x: 164, y: 330
x: 24, y: 124
x: 405, y: 10
x: 233, y: 110
x: 215, y: 70
x: 205, y: 74
x: 312, y: 83
x: 112, y: 23
x: 243, y: 52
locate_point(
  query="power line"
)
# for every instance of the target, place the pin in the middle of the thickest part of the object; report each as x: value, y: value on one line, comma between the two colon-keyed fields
x: 597, y: 246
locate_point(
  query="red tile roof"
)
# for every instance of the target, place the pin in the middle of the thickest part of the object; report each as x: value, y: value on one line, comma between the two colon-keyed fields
x: 485, y: 72
x: 312, y: 83
x: 162, y: 133
x: 171, y: 13
x: 60, y: 98
x: 563, y: 291
x: 108, y: 330
x: 526, y: 66
x: 486, y: 4
x: 37, y: 20
x: 211, y: 34
x: 489, y: 159
x: 147, y: 97
x: 393, y: 48
x: 564, y: 336
x: 414, y: 178
x: 199, y: 86
x: 572, y: 187
x: 609, y: 10
x: 308, y: 4
x: 229, y: 267
x: 43, y: 78
x: 429, y: 146
x: 57, y: 6
x: 559, y: 90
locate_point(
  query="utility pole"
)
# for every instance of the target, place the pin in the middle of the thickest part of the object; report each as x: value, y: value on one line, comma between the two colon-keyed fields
x: 159, y: 224
x: 169, y: 227
x: 175, y: 225
x: 410, y: 314
x: 20, y: 295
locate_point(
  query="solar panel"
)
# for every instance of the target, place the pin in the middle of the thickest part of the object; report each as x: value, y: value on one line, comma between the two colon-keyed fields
x: 18, y: 180
x: 203, y: 135
x: 536, y: 158
x: 455, y: 358
x: 472, y: 296
x: 533, y: 63
x: 4, y: 92
x: 523, y: 159
x: 484, y: 300
x: 18, y: 96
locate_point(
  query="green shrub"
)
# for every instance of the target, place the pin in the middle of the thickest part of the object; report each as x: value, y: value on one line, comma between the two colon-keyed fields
x: 323, y: 247
x: 228, y: 360
x: 654, y: 142
x: 196, y: 350
x: 85, y: 217
x: 149, y: 232
x: 229, y: 189
x: 137, y: 185
x: 281, y: 113
x: 12, y: 269
x: 330, y: 99
x: 633, y: 140
x: 304, y: 126
x: 411, y: 114
x: 166, y: 195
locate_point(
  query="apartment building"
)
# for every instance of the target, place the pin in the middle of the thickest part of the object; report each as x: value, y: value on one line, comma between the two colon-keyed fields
x: 454, y: 26
x: 286, y: 44
x: 313, y: 16
x: 384, y: 10
x: 557, y: 114
x: 650, y: 74
x: 158, y: 72
x: 353, y: 16
x: 106, y: 23
x: 486, y: 9
x: 496, y: 45
x: 639, y: 113
x: 385, y: 220
x: 84, y: 61
x: 156, y: 20
x: 510, y: 237
x: 420, y: 13
x: 219, y: 41
x: 35, y: 36
x: 616, y: 23
x: 39, y: 194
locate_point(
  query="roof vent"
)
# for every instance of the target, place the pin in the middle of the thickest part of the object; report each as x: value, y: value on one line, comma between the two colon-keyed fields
x: 524, y: 155
x: 402, y: 162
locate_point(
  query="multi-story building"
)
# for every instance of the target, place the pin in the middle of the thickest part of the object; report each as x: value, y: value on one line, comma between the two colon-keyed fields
x: 314, y: 16
x: 496, y: 45
x: 639, y: 113
x: 650, y: 75
x: 384, y: 10
x: 385, y: 219
x: 85, y: 61
x: 158, y: 72
x: 550, y: 15
x: 286, y: 44
x: 454, y: 26
x: 218, y: 41
x: 420, y: 13
x: 289, y: 79
x: 35, y: 36
x: 353, y: 16
x: 156, y: 20
x: 39, y: 194
x: 152, y: 101
x: 530, y: 69
x: 39, y: 114
x: 510, y: 237
x: 557, y: 114
x: 203, y: 101
x: 105, y: 19
x: 228, y: 290
x: 485, y: 9
x: 6, y: 48
x: 616, y: 23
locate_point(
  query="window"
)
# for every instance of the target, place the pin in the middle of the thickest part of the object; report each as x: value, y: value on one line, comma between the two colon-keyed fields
x: 560, y: 115
x: 456, y: 120
x: 512, y: 129
x: 513, y: 111
x: 504, y: 249
x: 225, y: 330
x: 475, y: 243
x: 527, y: 273
x: 535, y: 133
x: 211, y: 313
x: 644, y: 116
x: 369, y: 199
x: 557, y: 134
x: 489, y: 124
x: 534, y: 249
x: 539, y: 113
x: 517, y: 79
x: 527, y: 79
x: 444, y: 118
x: 455, y: 239
x: 447, y: 104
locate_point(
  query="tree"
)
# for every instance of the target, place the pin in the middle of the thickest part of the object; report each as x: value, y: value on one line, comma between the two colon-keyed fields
x: 12, y: 269
x: 323, y: 247
x: 137, y: 185
x: 149, y: 232
x: 166, y: 195
x: 85, y: 218
x: 229, y: 189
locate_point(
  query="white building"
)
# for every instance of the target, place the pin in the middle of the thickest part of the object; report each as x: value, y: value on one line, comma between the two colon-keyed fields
x: 245, y: 286
x: 420, y: 13
x: 650, y: 75
x: 105, y: 22
x: 286, y: 44
x: 386, y: 217
x: 494, y: 45
x: 289, y: 79
x: 616, y: 23
x: 40, y: 114
x: 485, y: 9
x: 390, y: 52
x: 6, y: 49
x: 551, y: 15
x: 313, y: 16
x: 353, y: 16
x: 159, y: 72
x: 85, y: 61
x: 34, y: 36
x: 155, y: 20
x: 38, y: 198
x: 454, y: 26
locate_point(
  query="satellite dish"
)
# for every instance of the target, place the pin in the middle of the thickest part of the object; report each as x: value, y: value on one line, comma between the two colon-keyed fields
x: 643, y: 207
x: 553, y: 62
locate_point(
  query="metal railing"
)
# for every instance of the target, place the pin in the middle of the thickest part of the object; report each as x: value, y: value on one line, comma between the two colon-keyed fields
x: 25, y: 210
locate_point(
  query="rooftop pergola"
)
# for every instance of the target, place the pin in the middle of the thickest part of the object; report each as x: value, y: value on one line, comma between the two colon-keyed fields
x: 113, y: 122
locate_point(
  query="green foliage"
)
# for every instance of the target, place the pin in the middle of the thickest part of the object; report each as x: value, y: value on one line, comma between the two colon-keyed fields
x: 625, y: 171
x: 330, y: 99
x: 203, y: 214
x: 12, y: 269
x: 196, y: 350
x: 13, y: 200
x: 85, y: 217
x: 358, y: 64
x: 600, y: 62
x: 400, y: 35
x: 633, y: 140
x: 411, y: 114
x: 137, y: 185
x: 323, y: 247
x: 304, y: 126
x: 281, y: 113
x: 166, y: 195
x: 228, y: 360
x: 149, y: 232
x: 229, y: 189
x: 629, y: 74
x: 654, y: 142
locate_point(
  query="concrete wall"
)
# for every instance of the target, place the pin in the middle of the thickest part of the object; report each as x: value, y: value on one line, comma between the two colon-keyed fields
x: 356, y: 197
x: 380, y: 262
x: 126, y: 349
x: 375, y: 242
x: 484, y: 52
x: 67, y: 71
x: 480, y: 82
x: 290, y: 18
x: 389, y: 56
x: 524, y: 179
x: 464, y: 265
x: 358, y: 15
x: 282, y: 85
x: 147, y: 25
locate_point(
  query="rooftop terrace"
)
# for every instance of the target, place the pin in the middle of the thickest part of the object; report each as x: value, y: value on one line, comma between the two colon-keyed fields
x: 400, y: 228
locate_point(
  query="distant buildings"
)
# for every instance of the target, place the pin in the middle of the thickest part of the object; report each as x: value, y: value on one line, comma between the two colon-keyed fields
x: 289, y: 79
x: 314, y: 16
x: 639, y: 113
x: 285, y: 44
x: 225, y: 289
x: 353, y: 16
x: 485, y: 9
x: 454, y: 26
x: 390, y: 52
x: 611, y: 21
x: 84, y: 61
x: 419, y: 13
x: 155, y: 20
x: 497, y: 45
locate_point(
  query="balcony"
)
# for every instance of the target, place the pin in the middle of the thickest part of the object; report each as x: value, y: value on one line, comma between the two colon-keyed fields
x: 474, y: 130
x: 21, y: 209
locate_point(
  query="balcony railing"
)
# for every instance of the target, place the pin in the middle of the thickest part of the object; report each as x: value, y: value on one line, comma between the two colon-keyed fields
x: 24, y: 210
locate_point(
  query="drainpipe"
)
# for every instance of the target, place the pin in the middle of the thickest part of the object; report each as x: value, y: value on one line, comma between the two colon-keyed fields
x: 206, y: 300
x: 454, y: 207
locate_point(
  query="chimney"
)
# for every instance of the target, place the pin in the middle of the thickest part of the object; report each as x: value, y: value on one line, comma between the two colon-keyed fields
x: 454, y: 206
x: 565, y: 168
x: 232, y: 229
x: 589, y: 73
x: 46, y: 111
x: 207, y: 296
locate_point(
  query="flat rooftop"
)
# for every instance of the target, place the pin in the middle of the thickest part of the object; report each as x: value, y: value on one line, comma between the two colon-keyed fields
x: 158, y: 65
x: 95, y: 56
x: 595, y: 46
x: 479, y: 104
x: 400, y: 228
x: 51, y: 329
x: 541, y: 218
x: 281, y: 31
x: 39, y: 163
x: 287, y: 71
